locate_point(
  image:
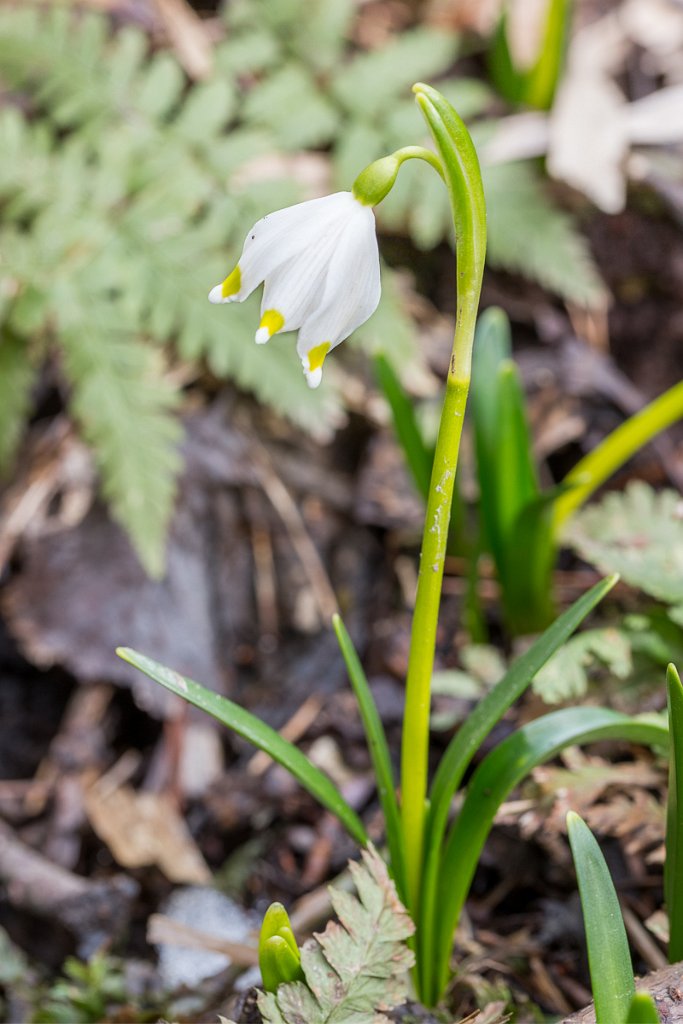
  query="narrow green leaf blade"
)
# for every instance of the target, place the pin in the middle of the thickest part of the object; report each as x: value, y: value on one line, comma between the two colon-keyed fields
x: 542, y: 79
x: 125, y: 408
x: 416, y: 452
x: 609, y: 958
x: 279, y: 964
x: 491, y: 709
x: 535, y: 85
x: 673, y: 872
x: 617, y: 448
x: 516, y: 478
x: 643, y: 1010
x: 496, y: 777
x: 469, y: 738
x: 531, y: 554
x: 492, y: 345
x: 255, y: 731
x: 379, y: 752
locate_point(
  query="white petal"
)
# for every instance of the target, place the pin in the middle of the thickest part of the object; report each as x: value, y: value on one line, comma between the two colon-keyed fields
x: 314, y: 377
x: 294, y: 290
x: 352, y: 286
x: 280, y: 236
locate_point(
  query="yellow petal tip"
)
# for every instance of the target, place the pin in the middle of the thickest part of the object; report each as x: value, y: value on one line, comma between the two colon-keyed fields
x: 232, y: 283
x: 316, y: 356
x: 272, y: 321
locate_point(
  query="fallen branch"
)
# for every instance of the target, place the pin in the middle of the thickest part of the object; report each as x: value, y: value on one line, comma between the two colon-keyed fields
x: 93, y: 911
x: 666, y: 988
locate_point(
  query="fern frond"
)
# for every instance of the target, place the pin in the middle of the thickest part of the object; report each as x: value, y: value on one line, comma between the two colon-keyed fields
x: 529, y: 235
x: 367, y: 84
x: 637, y: 532
x: 355, y: 968
x: 290, y: 105
x: 124, y: 408
x: 59, y: 58
x: 16, y: 379
x: 119, y: 212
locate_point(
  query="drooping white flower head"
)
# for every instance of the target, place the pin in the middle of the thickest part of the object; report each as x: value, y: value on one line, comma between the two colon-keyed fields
x: 320, y: 264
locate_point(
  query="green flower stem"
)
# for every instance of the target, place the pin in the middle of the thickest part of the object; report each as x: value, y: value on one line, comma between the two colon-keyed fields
x: 463, y: 179
x: 616, y: 449
x: 420, y: 153
x: 375, y: 182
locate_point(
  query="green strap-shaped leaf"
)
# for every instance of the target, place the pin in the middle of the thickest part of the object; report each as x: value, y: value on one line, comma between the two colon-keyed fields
x: 379, y: 752
x: 279, y: 956
x: 469, y: 738
x: 616, y: 449
x: 643, y: 1010
x: 278, y: 964
x: 609, y: 958
x: 533, y: 86
x: 515, y: 469
x: 492, y: 346
x: 673, y: 871
x: 531, y: 556
x: 544, y: 76
x: 416, y: 452
x: 495, y: 778
x: 255, y: 731
x: 508, y: 481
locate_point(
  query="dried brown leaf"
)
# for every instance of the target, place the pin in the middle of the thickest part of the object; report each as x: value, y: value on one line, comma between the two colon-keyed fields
x: 143, y: 829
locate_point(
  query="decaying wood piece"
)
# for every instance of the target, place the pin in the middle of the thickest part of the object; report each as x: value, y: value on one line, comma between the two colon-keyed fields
x: 664, y: 985
x: 92, y: 911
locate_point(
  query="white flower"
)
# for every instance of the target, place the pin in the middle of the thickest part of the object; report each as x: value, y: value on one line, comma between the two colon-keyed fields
x: 320, y: 264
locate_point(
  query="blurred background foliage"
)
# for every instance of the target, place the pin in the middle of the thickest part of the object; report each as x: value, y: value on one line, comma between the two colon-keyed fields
x: 126, y: 190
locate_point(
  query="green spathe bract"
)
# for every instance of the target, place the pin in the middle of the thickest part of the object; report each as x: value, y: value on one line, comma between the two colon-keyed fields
x: 463, y: 179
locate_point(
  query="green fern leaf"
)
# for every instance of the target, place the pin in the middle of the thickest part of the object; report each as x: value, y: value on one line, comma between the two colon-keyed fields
x: 292, y: 107
x: 369, y: 82
x: 638, y: 533
x: 322, y: 34
x: 207, y: 110
x: 565, y: 675
x: 529, y: 235
x: 355, y: 966
x: 160, y: 86
x: 124, y: 198
x: 16, y: 379
x: 124, y: 408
